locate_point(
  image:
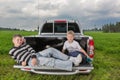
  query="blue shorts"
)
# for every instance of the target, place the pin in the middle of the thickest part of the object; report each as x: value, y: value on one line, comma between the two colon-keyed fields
x: 75, y: 54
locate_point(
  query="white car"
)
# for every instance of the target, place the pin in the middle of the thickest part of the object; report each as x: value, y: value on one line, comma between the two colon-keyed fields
x: 53, y: 33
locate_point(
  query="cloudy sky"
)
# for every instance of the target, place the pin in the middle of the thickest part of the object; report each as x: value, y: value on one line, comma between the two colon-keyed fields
x: 27, y: 14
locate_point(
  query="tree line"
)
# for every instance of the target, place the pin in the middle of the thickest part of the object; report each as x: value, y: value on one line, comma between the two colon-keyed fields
x: 111, y: 27
x: 1, y: 28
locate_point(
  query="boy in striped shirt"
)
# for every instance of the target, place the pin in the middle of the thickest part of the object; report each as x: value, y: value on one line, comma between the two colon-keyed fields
x: 21, y: 51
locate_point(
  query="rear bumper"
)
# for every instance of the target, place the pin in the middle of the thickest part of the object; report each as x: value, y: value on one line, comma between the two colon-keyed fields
x: 53, y: 71
x: 62, y: 73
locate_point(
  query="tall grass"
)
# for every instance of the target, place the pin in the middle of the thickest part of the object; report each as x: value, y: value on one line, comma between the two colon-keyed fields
x: 106, y: 61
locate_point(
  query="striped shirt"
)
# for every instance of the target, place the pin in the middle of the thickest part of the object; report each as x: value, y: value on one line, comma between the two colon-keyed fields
x: 22, y: 53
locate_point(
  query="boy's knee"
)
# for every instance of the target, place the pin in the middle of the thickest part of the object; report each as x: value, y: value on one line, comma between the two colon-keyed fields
x: 51, y: 48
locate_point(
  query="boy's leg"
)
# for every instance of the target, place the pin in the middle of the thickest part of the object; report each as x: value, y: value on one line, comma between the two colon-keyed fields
x: 64, y: 65
x: 43, y: 61
x: 55, y: 63
x: 52, y: 52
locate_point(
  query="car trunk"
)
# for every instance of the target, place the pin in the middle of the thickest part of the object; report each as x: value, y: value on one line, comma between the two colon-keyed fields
x: 41, y: 43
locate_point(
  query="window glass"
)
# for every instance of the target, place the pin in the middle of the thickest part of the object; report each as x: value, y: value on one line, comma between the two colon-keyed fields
x: 60, y: 27
x: 47, y: 28
x: 74, y: 27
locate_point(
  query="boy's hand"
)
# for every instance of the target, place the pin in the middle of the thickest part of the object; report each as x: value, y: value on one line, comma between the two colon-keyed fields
x: 34, y: 61
x: 23, y: 63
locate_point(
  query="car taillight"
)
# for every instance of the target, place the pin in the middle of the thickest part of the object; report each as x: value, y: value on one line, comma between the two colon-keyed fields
x: 91, y: 42
x: 91, y: 48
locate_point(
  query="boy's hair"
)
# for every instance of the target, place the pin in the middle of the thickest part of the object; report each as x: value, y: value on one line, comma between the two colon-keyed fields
x: 71, y: 32
x: 17, y: 35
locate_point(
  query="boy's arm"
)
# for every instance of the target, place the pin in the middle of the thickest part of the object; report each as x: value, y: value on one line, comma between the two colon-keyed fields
x: 34, y: 61
x: 23, y: 63
x: 64, y: 47
x: 63, y: 51
x: 31, y: 50
x: 84, y: 52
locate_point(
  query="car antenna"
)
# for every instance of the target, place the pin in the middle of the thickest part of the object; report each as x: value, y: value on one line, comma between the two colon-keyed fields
x: 38, y: 27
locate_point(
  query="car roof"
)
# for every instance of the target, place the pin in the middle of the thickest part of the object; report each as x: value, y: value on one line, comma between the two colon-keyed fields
x: 61, y: 21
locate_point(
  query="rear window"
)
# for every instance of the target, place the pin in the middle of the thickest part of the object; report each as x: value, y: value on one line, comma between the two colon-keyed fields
x: 74, y: 27
x: 60, y: 28
x: 47, y: 28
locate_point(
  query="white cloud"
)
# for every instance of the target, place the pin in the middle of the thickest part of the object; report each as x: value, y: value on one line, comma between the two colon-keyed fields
x: 44, y: 8
x: 88, y: 11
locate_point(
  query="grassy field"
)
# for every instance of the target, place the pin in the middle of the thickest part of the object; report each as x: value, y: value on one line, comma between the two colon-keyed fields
x: 106, y: 61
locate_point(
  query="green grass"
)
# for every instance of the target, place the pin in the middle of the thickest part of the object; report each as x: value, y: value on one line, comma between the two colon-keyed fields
x: 106, y: 61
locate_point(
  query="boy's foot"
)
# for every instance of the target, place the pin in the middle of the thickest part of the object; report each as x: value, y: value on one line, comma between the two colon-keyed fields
x: 78, y: 60
x: 47, y: 46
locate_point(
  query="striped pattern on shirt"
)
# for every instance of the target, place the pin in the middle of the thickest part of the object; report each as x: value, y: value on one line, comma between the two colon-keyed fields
x: 22, y: 53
